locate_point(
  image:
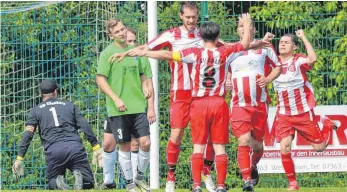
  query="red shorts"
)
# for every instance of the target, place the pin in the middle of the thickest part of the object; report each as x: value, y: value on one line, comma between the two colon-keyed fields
x: 305, y: 124
x: 179, y: 108
x: 209, y: 119
x: 249, y: 119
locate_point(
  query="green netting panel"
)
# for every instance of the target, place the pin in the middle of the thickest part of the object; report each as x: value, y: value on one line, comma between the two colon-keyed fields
x: 63, y: 40
x: 60, y: 40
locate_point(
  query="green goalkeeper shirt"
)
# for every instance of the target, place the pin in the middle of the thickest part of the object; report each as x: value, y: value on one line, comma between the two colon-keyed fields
x: 124, y: 80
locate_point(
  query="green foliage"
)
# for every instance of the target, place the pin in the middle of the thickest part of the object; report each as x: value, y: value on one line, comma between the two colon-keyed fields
x: 324, y: 24
x: 329, y: 73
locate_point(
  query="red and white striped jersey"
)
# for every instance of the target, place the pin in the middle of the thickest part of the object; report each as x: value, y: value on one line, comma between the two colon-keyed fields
x: 177, y: 39
x: 210, y: 67
x: 294, y: 93
x: 244, y: 71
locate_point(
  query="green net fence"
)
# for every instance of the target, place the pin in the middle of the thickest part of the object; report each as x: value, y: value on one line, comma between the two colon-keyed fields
x: 62, y: 40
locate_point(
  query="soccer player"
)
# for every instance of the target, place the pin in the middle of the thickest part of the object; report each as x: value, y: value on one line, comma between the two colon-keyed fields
x: 248, y: 109
x: 125, y: 104
x: 110, y: 155
x: 186, y: 35
x: 209, y: 111
x: 295, y: 103
x: 58, y: 122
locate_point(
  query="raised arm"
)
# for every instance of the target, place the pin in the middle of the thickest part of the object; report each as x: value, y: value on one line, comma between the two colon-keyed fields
x: 312, y: 57
x: 246, y: 21
x: 268, y: 37
x: 143, y: 47
x: 161, y: 55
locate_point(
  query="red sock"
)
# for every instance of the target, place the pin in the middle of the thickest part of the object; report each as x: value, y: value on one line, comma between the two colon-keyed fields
x: 221, y: 167
x: 243, y: 158
x: 256, y: 156
x: 173, y: 152
x: 209, y: 158
x: 288, y: 166
x: 197, y: 160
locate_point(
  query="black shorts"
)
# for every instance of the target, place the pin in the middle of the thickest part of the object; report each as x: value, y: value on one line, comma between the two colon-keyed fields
x: 107, y: 126
x: 68, y: 155
x: 125, y: 126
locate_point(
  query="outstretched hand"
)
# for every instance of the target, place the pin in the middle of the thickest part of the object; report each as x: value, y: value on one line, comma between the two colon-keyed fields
x: 136, y: 52
x: 118, y: 56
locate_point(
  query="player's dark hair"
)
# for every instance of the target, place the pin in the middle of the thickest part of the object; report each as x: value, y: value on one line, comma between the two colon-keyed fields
x: 188, y: 4
x: 209, y: 31
x: 296, y: 42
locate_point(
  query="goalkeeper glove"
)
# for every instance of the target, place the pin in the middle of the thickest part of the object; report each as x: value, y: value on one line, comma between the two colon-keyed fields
x: 18, y: 167
x: 97, y: 155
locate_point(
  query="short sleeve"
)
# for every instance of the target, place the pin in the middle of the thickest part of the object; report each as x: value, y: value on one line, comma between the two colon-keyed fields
x: 302, y: 62
x: 232, y: 51
x: 163, y: 40
x: 104, y: 66
x: 146, y: 67
x: 33, y: 119
x: 272, y: 58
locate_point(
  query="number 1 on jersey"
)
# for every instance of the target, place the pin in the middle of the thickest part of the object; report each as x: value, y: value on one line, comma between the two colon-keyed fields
x: 55, y: 116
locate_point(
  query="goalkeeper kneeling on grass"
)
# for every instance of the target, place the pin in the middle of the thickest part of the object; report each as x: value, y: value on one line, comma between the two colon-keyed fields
x: 58, y: 122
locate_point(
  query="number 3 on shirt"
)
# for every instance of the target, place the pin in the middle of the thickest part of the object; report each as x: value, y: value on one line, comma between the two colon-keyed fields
x: 209, y: 81
x: 55, y: 116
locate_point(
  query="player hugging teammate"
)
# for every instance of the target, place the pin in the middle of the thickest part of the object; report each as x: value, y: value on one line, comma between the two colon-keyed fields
x: 251, y: 70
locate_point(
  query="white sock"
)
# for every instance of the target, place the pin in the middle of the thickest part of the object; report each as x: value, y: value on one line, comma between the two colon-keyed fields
x: 109, y: 161
x: 125, y: 164
x: 134, y: 160
x: 143, y: 160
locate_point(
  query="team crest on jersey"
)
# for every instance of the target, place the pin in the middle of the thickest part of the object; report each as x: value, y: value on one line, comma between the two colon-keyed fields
x: 291, y: 68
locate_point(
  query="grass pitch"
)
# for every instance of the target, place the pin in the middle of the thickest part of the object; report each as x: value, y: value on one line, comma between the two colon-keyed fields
x: 231, y: 190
